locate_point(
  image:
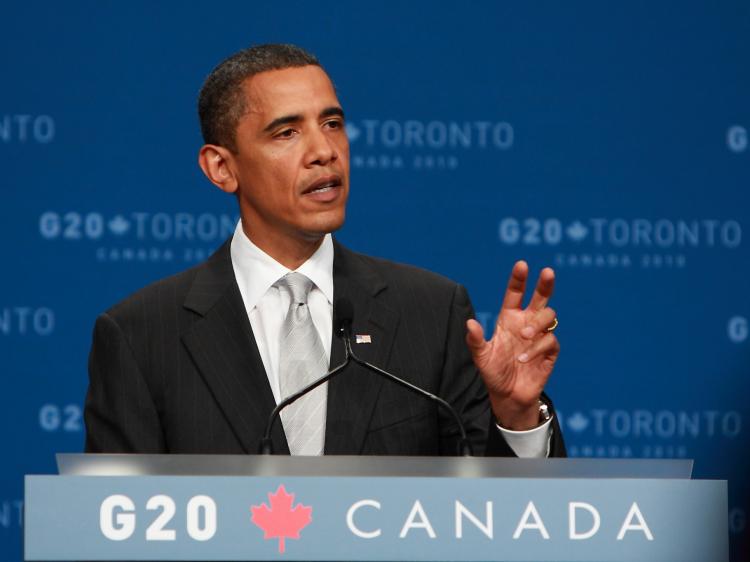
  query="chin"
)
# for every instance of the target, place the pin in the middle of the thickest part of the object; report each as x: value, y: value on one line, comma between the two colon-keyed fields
x: 328, y: 224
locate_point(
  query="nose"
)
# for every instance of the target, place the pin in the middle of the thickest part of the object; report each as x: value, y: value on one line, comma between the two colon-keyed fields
x: 321, y: 149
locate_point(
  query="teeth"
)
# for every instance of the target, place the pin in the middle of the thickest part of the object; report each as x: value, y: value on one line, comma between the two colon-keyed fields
x: 325, y: 187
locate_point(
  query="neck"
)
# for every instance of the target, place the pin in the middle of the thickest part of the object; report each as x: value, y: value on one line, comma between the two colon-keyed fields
x: 289, y: 252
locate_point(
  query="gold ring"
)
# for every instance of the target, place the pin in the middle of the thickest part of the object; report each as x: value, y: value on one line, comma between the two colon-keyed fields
x: 553, y: 326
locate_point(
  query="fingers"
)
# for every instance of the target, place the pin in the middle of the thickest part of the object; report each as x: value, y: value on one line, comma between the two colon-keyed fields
x: 516, y: 285
x: 539, y: 323
x: 547, y: 346
x: 544, y: 288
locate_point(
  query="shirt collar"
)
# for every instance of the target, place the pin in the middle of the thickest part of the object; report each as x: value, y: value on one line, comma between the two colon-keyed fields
x: 257, y: 272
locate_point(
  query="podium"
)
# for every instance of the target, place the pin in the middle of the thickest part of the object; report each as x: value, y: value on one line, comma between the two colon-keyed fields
x: 195, y: 507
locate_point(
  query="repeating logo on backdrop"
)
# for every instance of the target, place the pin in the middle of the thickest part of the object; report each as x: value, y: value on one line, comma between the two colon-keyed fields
x: 646, y: 433
x: 22, y: 320
x: 423, y: 145
x: 624, y: 243
x: 738, y: 329
x: 737, y: 138
x: 27, y: 129
x: 11, y: 513
x: 139, y: 236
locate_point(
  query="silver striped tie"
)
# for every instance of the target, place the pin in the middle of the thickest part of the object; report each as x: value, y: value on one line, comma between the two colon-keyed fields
x: 302, y: 360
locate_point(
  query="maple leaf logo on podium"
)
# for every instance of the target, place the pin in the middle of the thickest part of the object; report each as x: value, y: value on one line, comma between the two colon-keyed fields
x: 281, y: 520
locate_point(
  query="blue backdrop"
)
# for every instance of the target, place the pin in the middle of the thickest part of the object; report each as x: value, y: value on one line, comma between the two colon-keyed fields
x: 608, y: 140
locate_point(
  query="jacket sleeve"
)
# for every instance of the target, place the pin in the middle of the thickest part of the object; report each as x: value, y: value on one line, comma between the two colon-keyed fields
x: 120, y: 414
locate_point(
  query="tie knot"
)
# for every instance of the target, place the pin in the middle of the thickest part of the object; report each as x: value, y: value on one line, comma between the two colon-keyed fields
x: 298, y: 286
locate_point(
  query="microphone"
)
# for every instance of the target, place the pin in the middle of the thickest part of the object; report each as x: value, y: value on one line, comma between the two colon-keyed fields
x: 344, y: 317
x: 345, y: 313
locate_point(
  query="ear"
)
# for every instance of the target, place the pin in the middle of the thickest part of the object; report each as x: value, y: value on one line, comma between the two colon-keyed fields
x: 215, y: 161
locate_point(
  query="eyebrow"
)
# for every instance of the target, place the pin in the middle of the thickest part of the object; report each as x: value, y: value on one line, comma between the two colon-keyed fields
x: 296, y: 118
x: 331, y: 111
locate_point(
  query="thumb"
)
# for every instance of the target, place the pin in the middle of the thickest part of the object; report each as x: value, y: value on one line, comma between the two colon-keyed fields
x: 475, y: 336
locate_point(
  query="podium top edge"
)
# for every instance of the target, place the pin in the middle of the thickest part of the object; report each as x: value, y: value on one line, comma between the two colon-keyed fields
x: 73, y: 464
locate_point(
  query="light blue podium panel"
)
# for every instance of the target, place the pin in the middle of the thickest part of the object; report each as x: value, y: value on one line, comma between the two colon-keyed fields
x: 355, y: 508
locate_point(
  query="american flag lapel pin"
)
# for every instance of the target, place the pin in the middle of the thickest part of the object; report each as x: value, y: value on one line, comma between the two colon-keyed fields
x: 363, y: 338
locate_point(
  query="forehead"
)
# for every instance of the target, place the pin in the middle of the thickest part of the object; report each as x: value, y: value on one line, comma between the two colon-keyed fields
x: 289, y: 90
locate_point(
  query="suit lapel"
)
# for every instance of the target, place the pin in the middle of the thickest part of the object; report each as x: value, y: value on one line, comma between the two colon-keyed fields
x: 353, y: 394
x: 223, y: 348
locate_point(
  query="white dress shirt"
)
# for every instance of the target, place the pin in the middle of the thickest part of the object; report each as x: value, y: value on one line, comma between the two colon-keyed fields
x: 257, y: 274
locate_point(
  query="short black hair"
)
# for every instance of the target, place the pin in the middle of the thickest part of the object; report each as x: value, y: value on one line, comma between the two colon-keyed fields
x: 222, y: 102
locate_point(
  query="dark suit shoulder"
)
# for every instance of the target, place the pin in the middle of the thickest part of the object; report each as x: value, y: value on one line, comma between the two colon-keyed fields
x: 400, y: 275
x: 155, y: 295
x: 170, y: 294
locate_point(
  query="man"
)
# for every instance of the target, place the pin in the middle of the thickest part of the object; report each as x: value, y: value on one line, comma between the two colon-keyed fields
x: 195, y: 363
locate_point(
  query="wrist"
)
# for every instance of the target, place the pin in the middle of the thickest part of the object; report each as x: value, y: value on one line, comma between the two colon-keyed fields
x: 520, y: 417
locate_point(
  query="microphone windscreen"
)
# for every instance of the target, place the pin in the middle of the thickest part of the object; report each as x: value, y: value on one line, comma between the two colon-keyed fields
x: 344, y: 312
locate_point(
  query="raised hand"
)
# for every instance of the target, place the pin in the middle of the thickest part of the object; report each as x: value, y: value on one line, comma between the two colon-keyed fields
x: 517, y: 361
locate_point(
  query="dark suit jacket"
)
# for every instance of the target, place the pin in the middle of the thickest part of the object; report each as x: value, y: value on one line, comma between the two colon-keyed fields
x: 175, y: 368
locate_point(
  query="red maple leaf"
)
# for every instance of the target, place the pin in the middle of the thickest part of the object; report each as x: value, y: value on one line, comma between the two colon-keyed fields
x: 280, y: 520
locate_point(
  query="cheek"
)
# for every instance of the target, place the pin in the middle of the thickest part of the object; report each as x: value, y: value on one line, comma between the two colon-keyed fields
x: 344, y: 147
x: 281, y: 163
x: 273, y: 175
x: 281, y: 180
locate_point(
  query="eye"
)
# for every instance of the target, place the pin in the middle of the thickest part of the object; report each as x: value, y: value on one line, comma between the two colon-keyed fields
x: 334, y: 124
x: 285, y: 134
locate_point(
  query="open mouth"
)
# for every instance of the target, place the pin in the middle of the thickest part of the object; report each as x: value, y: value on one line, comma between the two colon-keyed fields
x: 323, y: 185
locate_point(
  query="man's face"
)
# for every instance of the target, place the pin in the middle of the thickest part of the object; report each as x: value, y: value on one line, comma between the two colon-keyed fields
x: 292, y: 161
